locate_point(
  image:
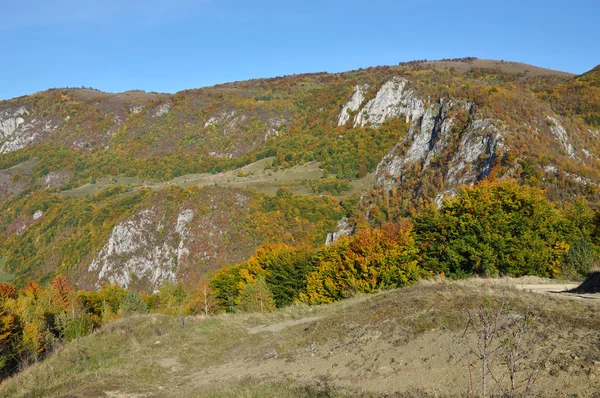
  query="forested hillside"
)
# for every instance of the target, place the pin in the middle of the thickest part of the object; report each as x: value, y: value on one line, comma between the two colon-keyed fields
x: 492, y: 229
x: 101, y: 187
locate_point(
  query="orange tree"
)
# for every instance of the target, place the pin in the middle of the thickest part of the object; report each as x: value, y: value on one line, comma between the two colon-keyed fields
x: 369, y: 261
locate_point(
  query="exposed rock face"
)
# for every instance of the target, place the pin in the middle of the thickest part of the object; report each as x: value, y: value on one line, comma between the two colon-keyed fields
x: 446, y: 134
x: 559, y: 132
x: 353, y: 105
x: 430, y: 138
x: 142, y: 247
x: 222, y: 117
x: 11, y: 129
x: 157, y: 245
x: 16, y: 133
x: 136, y: 109
x: 393, y: 99
x: 10, y: 120
x: 478, y: 148
x: 162, y: 110
x: 343, y: 228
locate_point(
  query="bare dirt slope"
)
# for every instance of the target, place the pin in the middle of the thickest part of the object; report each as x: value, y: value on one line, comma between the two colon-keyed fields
x: 407, y: 342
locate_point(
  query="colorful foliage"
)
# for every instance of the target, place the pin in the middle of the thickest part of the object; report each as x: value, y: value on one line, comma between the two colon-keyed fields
x: 494, y: 228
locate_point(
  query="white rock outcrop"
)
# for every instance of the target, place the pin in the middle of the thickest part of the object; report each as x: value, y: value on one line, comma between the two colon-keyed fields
x: 18, y: 133
x: 344, y: 228
x: 220, y: 118
x: 393, y: 99
x: 183, y: 220
x: 353, y: 105
x: 162, y: 110
x: 144, y: 248
x: 10, y: 120
x: 429, y: 138
x: 229, y: 120
x: 463, y: 158
x: 136, y: 109
x: 478, y: 148
x: 559, y: 132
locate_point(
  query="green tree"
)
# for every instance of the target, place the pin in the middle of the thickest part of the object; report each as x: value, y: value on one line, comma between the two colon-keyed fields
x: 493, y: 228
x: 134, y: 303
x: 256, y: 297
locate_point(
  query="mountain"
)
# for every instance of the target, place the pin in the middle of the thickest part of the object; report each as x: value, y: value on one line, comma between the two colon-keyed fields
x: 138, y: 188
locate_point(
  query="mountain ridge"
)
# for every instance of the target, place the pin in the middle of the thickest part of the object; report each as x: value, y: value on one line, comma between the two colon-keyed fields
x: 442, y: 64
x: 422, y: 129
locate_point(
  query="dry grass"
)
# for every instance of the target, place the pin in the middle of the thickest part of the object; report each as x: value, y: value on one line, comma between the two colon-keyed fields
x: 504, y: 66
x: 395, y: 343
x: 252, y: 176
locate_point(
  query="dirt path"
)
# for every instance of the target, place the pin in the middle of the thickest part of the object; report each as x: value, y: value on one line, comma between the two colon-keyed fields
x: 557, y: 289
x: 547, y: 288
x: 278, y: 327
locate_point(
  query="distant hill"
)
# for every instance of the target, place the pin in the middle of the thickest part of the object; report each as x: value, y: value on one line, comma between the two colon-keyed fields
x: 83, y: 172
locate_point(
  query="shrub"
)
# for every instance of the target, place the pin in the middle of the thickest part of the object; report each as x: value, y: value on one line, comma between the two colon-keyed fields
x: 256, y: 297
x: 72, y: 326
x: 372, y: 260
x: 133, y: 303
x: 579, y: 258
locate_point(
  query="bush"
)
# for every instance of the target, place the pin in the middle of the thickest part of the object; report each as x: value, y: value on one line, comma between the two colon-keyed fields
x: 369, y: 261
x: 256, y: 297
x: 134, y: 303
x: 579, y: 258
x: 73, y: 326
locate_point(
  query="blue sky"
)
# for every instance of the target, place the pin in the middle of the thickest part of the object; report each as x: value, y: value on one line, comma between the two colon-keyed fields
x: 171, y: 45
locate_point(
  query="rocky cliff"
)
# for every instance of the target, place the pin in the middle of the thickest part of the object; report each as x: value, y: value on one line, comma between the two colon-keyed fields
x: 453, y: 141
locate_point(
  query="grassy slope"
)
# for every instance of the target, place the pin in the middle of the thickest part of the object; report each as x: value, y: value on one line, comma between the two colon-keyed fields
x: 252, y: 176
x: 403, y: 341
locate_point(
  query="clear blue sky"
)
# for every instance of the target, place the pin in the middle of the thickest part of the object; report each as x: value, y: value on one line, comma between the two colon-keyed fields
x: 171, y: 45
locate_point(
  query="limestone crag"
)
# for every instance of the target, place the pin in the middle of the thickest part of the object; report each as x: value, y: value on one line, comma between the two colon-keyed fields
x: 13, y: 129
x: 559, y: 132
x: 353, y: 105
x: 446, y: 134
x: 163, y: 109
x: 17, y: 131
x: 393, y: 99
x: 10, y: 120
x: 136, y: 248
x: 430, y: 138
x: 343, y: 228
x: 159, y: 244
